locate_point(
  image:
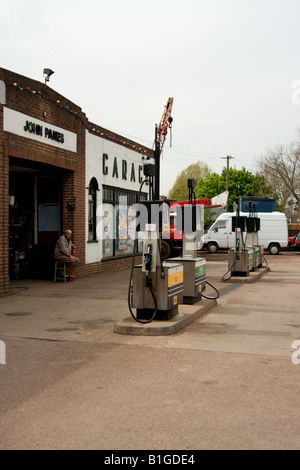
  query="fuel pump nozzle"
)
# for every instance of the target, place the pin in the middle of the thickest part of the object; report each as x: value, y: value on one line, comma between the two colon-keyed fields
x: 148, y: 262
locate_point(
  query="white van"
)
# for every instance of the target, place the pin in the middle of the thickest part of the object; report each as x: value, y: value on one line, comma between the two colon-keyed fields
x: 273, y: 233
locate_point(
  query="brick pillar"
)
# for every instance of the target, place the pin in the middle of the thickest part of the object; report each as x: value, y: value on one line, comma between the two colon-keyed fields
x: 4, y: 216
x: 68, y: 197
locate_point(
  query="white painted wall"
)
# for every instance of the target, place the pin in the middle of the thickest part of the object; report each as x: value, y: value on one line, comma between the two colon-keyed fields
x: 96, y: 146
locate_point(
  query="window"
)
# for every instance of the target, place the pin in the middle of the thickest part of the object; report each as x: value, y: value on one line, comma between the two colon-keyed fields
x: 119, y: 221
x: 220, y: 224
x: 92, y: 206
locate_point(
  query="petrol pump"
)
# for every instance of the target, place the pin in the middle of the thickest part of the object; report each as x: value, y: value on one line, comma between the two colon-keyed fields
x: 240, y: 258
x: 252, y: 241
x: 188, y: 220
x: 156, y: 287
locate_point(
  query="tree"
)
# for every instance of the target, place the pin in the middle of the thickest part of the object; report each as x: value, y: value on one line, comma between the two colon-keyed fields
x: 241, y: 183
x: 281, y: 167
x: 180, y: 191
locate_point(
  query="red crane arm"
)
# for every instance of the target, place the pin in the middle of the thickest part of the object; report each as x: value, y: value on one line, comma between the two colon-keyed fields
x: 165, y: 124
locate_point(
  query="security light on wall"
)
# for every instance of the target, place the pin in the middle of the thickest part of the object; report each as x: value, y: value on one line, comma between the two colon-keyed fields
x: 47, y: 74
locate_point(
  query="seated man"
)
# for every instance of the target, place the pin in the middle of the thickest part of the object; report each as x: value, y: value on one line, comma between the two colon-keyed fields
x: 63, y: 252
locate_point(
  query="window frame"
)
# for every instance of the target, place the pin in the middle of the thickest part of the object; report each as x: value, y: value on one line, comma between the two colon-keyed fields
x: 112, y: 195
x: 92, y: 210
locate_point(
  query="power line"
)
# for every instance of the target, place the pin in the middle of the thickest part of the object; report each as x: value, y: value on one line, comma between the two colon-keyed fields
x: 182, y: 151
x: 195, y: 154
x: 246, y: 164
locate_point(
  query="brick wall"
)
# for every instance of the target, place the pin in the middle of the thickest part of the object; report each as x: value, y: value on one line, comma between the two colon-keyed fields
x: 111, y: 265
x: 4, y: 208
x: 4, y: 205
x: 34, y: 99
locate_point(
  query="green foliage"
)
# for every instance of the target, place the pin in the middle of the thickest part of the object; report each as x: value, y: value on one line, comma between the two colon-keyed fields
x: 209, y: 217
x: 179, y: 191
x: 240, y: 183
x: 279, y: 206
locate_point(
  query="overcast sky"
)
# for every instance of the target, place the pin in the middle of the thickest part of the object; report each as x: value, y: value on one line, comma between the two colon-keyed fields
x: 232, y: 67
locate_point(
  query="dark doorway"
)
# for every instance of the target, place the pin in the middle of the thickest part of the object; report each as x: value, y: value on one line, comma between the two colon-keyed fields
x: 34, y: 220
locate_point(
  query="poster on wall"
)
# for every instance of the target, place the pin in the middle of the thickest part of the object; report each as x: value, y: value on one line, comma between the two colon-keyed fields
x: 131, y: 226
x: 107, y: 232
x: 123, y: 231
x: 48, y: 217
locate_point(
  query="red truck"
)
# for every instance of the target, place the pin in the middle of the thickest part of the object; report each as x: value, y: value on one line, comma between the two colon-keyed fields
x: 171, y: 245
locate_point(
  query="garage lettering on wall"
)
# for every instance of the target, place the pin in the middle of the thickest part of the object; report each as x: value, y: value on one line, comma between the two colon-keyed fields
x: 125, y: 171
x: 37, y: 129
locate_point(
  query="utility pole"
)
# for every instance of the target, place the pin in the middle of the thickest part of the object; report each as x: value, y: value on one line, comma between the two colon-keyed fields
x: 227, y: 173
x: 227, y: 170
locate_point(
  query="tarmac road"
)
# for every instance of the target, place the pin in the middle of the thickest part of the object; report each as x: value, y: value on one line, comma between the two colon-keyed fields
x: 226, y: 381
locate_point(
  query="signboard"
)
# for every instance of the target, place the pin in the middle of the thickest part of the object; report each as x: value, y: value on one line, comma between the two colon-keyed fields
x: 31, y: 128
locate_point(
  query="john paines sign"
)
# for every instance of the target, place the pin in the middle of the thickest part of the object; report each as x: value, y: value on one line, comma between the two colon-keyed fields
x: 27, y: 126
x: 47, y: 132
